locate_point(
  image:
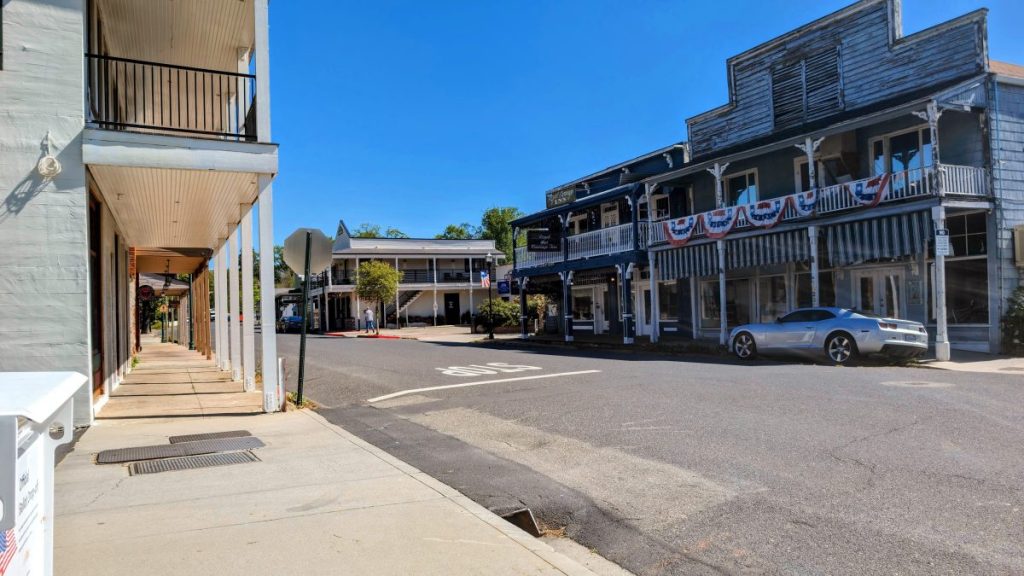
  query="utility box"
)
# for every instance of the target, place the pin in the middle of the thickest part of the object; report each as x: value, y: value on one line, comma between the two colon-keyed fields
x: 36, y: 416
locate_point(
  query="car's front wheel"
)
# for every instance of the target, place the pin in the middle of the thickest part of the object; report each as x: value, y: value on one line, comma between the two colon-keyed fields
x: 841, y: 348
x: 744, y: 346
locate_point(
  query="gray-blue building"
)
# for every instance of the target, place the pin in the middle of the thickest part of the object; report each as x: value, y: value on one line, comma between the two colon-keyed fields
x: 847, y: 158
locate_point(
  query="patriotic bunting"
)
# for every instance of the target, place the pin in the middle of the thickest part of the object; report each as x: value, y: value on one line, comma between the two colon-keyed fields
x: 869, y: 192
x: 718, y: 223
x: 766, y: 213
x: 679, y: 231
x: 805, y: 203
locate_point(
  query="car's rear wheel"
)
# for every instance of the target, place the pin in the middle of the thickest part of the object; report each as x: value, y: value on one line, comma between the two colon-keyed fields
x: 744, y: 346
x: 841, y: 348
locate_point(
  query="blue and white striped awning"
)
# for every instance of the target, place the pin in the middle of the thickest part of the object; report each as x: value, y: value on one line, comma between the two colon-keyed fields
x: 878, y: 238
x: 699, y: 260
x: 767, y: 249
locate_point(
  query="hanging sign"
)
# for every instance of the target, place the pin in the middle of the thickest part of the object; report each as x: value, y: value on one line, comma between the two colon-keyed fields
x: 805, y: 203
x: 679, y: 231
x: 718, y: 223
x: 766, y: 213
x: 942, y: 243
x: 561, y: 196
x: 871, y: 191
x: 543, y: 241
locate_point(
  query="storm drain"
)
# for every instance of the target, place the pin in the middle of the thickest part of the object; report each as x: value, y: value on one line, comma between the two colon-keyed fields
x: 121, y: 455
x: 523, y: 518
x: 209, y: 436
x: 191, y: 462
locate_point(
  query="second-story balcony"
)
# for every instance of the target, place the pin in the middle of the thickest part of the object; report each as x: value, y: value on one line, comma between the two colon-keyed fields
x: 952, y: 180
x: 601, y: 242
x: 153, y: 97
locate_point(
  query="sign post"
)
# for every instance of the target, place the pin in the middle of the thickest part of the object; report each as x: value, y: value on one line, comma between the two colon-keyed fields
x: 308, y: 250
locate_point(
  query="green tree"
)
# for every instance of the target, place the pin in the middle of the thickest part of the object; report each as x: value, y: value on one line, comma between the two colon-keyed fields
x: 366, y: 230
x: 496, y: 224
x: 378, y: 283
x: 464, y: 231
x: 395, y: 233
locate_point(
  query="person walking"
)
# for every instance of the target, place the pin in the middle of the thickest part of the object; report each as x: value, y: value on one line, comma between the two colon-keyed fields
x: 368, y: 318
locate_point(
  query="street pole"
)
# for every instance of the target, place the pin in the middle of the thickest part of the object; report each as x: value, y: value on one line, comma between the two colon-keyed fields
x: 305, y: 318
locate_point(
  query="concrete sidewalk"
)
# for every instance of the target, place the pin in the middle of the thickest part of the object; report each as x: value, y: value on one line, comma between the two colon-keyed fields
x: 965, y: 361
x: 447, y: 333
x: 319, y: 501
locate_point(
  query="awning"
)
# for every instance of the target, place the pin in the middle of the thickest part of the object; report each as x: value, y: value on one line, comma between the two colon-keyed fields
x: 700, y: 260
x: 878, y: 238
x: 767, y: 249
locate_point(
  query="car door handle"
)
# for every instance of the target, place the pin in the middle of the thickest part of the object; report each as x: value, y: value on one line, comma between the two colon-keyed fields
x: 809, y: 327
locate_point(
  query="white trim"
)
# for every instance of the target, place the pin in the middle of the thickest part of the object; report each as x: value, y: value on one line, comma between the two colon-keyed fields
x: 725, y: 185
x: 886, y: 149
x: 819, y: 171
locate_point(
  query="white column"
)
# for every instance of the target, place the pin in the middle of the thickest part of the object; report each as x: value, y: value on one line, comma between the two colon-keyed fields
x: 261, y: 44
x: 219, y: 309
x: 655, y: 318
x: 435, y: 291
x: 812, y: 239
x: 248, y: 305
x: 723, y: 317
x: 223, y: 283
x: 359, y: 302
x: 941, y: 330
x: 268, y: 313
x: 472, y: 310
x: 695, y: 307
x: 327, y: 296
x: 234, y: 307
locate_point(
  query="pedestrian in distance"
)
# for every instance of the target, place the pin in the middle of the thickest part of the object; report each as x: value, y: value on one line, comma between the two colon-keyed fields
x: 368, y: 318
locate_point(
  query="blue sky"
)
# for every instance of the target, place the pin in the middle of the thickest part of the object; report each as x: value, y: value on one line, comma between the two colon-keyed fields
x: 420, y: 114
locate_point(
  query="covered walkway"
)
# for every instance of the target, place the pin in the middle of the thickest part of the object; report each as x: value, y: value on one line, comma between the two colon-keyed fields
x: 171, y: 380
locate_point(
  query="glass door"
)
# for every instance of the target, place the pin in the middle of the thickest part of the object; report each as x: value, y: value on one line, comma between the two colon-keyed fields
x: 880, y: 292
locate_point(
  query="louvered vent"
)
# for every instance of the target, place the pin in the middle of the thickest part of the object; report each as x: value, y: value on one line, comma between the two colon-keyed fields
x: 807, y: 89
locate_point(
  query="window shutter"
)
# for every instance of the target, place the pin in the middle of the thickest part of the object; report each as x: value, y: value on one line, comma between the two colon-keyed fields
x: 824, y: 95
x: 788, y: 95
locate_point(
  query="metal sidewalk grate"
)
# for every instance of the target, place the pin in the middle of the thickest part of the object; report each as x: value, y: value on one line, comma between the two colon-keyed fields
x: 209, y: 436
x: 190, y: 462
x: 121, y: 455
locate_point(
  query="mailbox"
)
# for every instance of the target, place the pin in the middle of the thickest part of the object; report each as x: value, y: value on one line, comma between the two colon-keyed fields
x: 35, y: 418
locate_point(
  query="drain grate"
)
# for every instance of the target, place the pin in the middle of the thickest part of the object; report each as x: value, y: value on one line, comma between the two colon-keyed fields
x: 523, y: 518
x: 122, y: 455
x: 191, y: 462
x: 209, y: 436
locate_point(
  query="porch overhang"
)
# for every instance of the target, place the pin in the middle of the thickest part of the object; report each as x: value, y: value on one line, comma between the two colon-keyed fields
x: 140, y: 150
x: 599, y: 198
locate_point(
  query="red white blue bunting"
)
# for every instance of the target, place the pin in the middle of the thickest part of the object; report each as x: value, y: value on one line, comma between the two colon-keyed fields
x: 718, y: 223
x: 805, y: 203
x: 766, y: 213
x: 869, y: 192
x: 679, y: 231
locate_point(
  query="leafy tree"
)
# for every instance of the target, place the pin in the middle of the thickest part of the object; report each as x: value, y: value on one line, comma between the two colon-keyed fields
x: 395, y: 233
x: 496, y: 225
x: 377, y: 282
x: 464, y: 231
x: 366, y: 230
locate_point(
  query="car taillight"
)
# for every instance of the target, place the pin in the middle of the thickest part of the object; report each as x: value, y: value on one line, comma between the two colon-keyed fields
x: 887, y: 325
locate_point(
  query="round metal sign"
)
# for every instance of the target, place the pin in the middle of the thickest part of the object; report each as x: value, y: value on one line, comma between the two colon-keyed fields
x: 319, y: 251
x: 146, y: 292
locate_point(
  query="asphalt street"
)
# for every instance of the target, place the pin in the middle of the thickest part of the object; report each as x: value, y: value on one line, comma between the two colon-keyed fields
x: 676, y: 465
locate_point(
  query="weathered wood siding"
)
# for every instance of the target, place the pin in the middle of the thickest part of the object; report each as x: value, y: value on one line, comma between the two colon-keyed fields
x: 1007, y: 134
x: 876, y: 65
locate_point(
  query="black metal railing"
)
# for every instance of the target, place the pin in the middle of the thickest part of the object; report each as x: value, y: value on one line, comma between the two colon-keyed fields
x: 126, y: 94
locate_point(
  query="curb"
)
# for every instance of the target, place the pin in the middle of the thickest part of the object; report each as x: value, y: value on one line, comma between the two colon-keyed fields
x: 540, y: 549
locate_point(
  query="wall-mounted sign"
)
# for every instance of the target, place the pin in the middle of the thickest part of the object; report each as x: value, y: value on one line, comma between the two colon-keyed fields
x: 561, y: 196
x: 543, y: 241
x: 942, y: 243
x: 503, y: 288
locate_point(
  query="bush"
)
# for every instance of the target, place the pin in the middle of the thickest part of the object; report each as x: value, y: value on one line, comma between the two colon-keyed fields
x: 1013, y: 324
x: 506, y: 313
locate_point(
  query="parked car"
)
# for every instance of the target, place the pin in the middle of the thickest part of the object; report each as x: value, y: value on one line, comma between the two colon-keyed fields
x: 289, y: 324
x: 840, y: 334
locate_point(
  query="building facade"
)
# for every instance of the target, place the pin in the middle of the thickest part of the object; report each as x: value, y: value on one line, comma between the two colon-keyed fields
x: 145, y: 154
x: 440, y: 280
x: 852, y: 166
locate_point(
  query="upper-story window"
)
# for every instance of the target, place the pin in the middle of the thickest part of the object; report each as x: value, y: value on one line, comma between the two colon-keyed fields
x: 661, y: 207
x: 741, y: 188
x: 807, y: 89
x: 899, y: 151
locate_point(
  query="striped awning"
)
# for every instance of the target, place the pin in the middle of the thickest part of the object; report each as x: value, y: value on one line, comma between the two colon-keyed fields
x: 878, y: 238
x: 700, y: 260
x: 767, y: 249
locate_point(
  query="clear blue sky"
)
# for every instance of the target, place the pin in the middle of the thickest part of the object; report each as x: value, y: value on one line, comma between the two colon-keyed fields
x: 420, y: 114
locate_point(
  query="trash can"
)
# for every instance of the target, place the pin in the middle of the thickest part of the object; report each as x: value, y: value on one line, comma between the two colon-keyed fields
x: 35, y: 418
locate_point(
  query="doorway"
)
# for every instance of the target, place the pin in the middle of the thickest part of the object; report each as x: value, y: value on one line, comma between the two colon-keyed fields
x: 451, y: 309
x: 645, y: 323
x: 879, y: 292
x: 96, y: 296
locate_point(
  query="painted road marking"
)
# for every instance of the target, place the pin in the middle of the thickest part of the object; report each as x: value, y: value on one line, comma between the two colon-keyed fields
x: 485, y: 369
x: 466, y: 384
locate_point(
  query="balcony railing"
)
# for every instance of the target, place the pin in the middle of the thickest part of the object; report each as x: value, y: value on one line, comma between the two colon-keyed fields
x: 919, y: 182
x: 418, y: 276
x: 127, y: 94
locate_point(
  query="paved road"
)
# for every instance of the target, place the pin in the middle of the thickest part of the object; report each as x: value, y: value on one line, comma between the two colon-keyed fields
x: 673, y: 466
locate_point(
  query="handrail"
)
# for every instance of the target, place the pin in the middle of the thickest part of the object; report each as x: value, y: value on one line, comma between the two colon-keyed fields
x: 175, y: 66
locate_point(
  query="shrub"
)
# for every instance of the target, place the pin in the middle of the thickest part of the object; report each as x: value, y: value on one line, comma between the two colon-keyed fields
x: 1013, y: 324
x: 506, y: 313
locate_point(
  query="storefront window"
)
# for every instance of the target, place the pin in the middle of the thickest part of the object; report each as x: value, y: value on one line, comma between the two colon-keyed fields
x: 738, y: 303
x: 772, y: 297
x: 966, y: 291
x: 668, y: 301
x: 709, y: 308
x: 826, y: 289
x: 967, y: 234
x: 583, y: 305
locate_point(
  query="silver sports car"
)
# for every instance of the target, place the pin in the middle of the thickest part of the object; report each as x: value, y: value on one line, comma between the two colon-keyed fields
x: 839, y: 333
